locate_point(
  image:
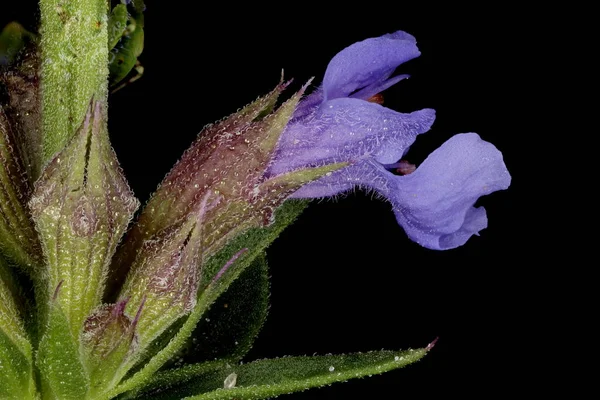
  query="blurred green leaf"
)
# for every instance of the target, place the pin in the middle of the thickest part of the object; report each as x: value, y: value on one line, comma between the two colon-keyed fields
x: 129, y: 45
x: 231, y: 325
x: 117, y: 24
x: 13, y: 39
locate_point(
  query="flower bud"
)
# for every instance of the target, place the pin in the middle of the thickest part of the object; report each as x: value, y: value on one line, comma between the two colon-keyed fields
x: 165, y: 276
x: 81, y: 207
x: 229, y: 159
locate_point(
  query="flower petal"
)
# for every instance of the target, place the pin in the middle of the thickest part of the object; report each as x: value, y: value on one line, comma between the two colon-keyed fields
x: 434, y: 204
x: 349, y: 130
x: 378, y: 87
x: 369, y: 62
x: 365, y: 174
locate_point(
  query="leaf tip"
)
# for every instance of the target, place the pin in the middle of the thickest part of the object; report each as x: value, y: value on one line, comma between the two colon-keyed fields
x: 431, y: 345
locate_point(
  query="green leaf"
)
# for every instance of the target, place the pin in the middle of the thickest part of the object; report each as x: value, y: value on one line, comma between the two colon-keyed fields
x: 16, y: 378
x: 12, y: 40
x: 270, y: 378
x: 173, y: 377
x: 16, y: 373
x: 255, y: 240
x: 62, y: 372
x: 233, y: 322
x: 117, y: 24
x: 18, y: 239
x: 11, y: 310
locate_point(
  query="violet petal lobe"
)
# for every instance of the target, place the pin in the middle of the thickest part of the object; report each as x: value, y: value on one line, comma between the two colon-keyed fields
x: 434, y: 204
x: 366, y: 63
x: 349, y: 130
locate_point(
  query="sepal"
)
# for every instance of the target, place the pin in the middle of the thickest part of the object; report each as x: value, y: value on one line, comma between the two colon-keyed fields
x: 110, y: 342
x: 165, y: 275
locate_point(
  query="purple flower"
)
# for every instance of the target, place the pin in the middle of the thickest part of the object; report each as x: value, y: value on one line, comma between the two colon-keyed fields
x: 434, y: 204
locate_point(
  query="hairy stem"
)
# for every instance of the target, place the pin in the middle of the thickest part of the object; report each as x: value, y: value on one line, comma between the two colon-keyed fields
x: 74, y: 42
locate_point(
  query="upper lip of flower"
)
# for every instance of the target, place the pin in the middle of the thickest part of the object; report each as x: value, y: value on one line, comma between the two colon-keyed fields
x: 364, y: 68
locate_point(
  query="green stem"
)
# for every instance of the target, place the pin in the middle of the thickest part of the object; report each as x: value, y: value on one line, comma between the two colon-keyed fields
x: 74, y: 42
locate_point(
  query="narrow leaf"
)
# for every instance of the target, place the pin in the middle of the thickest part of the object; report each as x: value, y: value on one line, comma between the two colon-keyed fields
x: 18, y: 239
x: 58, y: 360
x: 270, y: 378
x: 16, y: 373
x: 16, y: 378
x: 174, y: 377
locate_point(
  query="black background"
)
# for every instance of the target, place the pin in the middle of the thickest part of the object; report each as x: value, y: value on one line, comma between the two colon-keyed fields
x: 344, y: 277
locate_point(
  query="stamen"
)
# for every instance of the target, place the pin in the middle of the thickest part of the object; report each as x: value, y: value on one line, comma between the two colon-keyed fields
x: 402, y: 167
x: 376, y: 98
